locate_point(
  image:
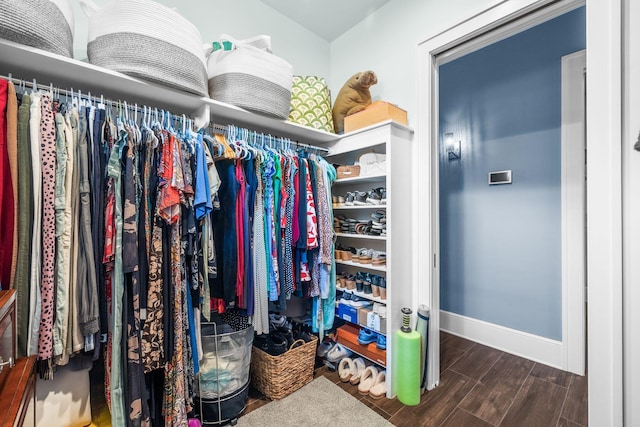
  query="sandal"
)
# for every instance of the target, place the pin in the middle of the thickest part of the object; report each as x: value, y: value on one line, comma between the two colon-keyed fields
x: 367, y: 379
x: 379, y: 388
x: 346, y: 369
x: 378, y: 258
x: 358, y: 370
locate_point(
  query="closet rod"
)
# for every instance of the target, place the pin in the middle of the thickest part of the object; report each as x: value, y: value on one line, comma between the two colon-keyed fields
x: 225, y: 129
x: 91, y: 98
x: 134, y: 107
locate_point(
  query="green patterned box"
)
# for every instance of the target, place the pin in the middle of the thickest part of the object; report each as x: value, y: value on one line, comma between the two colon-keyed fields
x: 311, y: 103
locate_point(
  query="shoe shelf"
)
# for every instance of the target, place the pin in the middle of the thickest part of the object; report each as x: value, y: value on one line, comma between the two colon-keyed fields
x: 353, y: 207
x: 365, y: 266
x: 361, y: 236
x: 361, y: 179
x: 395, y: 142
x: 363, y: 295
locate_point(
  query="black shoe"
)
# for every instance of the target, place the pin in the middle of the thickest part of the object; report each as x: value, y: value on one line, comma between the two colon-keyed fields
x: 374, y: 197
x: 360, y: 198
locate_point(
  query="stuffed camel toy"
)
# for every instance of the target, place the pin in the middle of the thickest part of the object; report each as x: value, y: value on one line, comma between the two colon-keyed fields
x: 353, y: 97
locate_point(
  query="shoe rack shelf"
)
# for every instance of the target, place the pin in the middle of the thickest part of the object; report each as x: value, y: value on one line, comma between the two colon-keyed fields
x: 345, y: 207
x: 356, y: 179
x: 395, y: 141
x: 362, y: 236
x: 363, y: 266
x: 364, y: 296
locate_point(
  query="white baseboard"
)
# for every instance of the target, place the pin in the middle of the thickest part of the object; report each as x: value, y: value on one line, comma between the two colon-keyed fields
x: 532, y: 347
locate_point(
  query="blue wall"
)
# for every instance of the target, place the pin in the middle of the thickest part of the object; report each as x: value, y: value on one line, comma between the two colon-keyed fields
x: 501, y: 245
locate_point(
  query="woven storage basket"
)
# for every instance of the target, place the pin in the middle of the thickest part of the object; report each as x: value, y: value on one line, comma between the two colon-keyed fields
x: 279, y: 376
x: 348, y: 171
x: 246, y: 74
x: 149, y: 41
x: 43, y: 24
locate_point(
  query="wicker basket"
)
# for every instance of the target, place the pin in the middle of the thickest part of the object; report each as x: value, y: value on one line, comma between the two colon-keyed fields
x: 279, y: 376
x: 348, y: 171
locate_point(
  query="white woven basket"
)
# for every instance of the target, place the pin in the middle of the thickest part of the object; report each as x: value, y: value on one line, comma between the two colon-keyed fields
x: 147, y: 40
x: 43, y: 24
x: 250, y: 76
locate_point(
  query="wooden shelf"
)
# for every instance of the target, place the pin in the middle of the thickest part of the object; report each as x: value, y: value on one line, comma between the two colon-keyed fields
x: 361, y: 236
x: 28, y: 63
x: 364, y: 266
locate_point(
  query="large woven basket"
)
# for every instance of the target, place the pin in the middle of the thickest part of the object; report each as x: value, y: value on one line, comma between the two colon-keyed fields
x: 43, y: 24
x: 279, y: 376
x: 249, y: 76
x: 149, y: 41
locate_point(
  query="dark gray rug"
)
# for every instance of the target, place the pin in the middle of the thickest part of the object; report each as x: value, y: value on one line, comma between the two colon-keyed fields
x: 319, y: 403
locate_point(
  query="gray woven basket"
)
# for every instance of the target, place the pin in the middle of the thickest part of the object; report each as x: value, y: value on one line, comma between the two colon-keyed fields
x: 37, y: 23
x: 251, y: 93
x: 151, y: 59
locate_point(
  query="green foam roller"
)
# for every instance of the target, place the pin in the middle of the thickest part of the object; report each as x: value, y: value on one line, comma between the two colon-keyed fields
x: 406, y: 362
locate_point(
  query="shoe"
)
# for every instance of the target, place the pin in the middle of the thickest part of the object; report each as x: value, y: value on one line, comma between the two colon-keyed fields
x: 383, y: 288
x: 373, y: 197
x: 359, y: 282
x: 367, y: 336
x: 285, y: 334
x: 367, y: 379
x: 366, y: 284
x: 379, y: 388
x: 337, y: 353
x: 324, y: 347
x: 273, y: 344
x: 358, y: 369
x: 383, y: 195
x: 381, y: 342
x: 360, y: 198
x: 348, y: 200
x: 346, y: 369
x: 278, y: 321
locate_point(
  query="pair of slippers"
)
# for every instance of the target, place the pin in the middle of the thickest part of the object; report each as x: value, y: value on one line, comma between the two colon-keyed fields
x: 367, y: 378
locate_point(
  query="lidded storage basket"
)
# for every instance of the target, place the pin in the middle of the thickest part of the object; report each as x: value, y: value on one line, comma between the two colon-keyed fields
x: 246, y: 74
x: 43, y: 24
x: 149, y: 41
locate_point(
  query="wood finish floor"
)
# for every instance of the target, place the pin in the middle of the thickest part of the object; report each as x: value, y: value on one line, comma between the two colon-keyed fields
x: 482, y: 387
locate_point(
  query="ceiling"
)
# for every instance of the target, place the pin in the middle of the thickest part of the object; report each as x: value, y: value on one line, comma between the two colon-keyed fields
x: 327, y: 18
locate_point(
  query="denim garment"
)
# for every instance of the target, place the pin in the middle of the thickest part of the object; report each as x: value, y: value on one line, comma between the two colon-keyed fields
x: 114, y: 171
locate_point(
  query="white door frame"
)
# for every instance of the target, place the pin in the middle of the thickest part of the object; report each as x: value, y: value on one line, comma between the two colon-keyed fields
x: 573, y: 213
x: 604, y: 193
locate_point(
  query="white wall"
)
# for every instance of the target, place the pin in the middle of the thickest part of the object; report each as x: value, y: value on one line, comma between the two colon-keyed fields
x: 631, y: 213
x: 304, y: 50
x: 387, y: 42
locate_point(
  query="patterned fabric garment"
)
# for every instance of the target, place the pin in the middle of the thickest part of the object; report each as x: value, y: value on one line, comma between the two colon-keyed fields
x: 175, y: 405
x: 48, y: 150
x: 153, y: 334
x: 136, y: 388
x: 287, y: 230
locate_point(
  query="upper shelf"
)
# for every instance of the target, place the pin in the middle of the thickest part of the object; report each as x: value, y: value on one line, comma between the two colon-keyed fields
x: 28, y: 63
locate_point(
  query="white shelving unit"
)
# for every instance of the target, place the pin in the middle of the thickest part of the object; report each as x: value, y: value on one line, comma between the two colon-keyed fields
x: 29, y: 63
x: 394, y: 140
